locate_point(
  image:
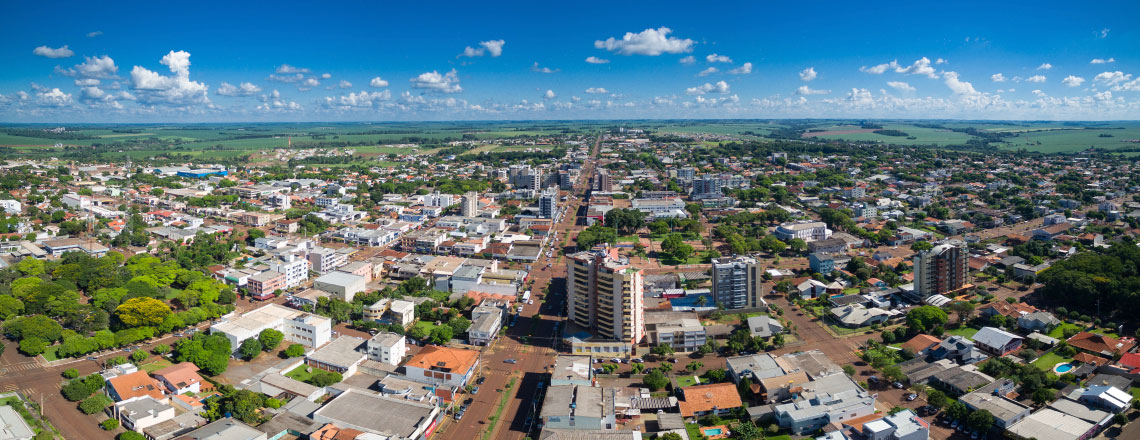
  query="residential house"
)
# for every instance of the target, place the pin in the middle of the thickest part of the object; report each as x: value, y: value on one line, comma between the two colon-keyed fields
x: 996, y: 342
x: 701, y: 400
x: 181, y: 378
x: 1041, y: 322
x: 1098, y: 344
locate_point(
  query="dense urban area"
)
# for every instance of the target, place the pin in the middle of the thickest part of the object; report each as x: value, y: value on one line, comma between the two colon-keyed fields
x: 834, y: 280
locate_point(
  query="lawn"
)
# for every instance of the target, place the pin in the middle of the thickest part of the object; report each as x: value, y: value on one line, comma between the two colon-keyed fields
x: 966, y: 332
x: 687, y: 381
x: 1135, y: 391
x: 51, y: 353
x: 1059, y: 331
x: 426, y: 325
x: 694, y: 431
x: 1048, y: 360
x: 299, y: 374
x: 156, y: 365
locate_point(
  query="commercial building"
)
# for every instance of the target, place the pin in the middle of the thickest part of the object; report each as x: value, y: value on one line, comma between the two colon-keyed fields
x: 606, y: 296
x: 806, y: 231
x: 572, y: 370
x: 225, y: 429
x: 15, y: 428
x: 680, y: 330
x: 303, y: 328
x: 342, y: 355
x: 903, y: 425
x: 737, y: 283
x: 264, y: 285
x: 342, y: 285
x: 384, y: 416
x: 578, y: 407
x: 139, y: 413
x: 451, y: 367
x: 941, y: 269
x: 388, y: 348
x: 325, y: 260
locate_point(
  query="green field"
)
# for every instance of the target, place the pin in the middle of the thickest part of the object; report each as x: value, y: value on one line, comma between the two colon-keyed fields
x: 921, y: 135
x: 1048, y: 360
x: 966, y: 332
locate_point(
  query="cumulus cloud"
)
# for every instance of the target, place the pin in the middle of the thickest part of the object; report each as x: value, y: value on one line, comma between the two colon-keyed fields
x: 537, y: 68
x: 901, y: 86
x: 1045, y: 66
x: 434, y: 82
x: 957, y: 86
x: 1072, y: 81
x: 326, y: 75
x: 492, y: 47
x: 1102, y: 61
x: 62, y: 52
x: 86, y: 82
x: 53, y: 98
x: 596, y: 60
x: 744, y: 69
x: 997, y: 77
x: 378, y: 82
x: 344, y: 84
x: 860, y: 97
x: 687, y: 60
x: 940, y: 61
x: 175, y: 89
x: 102, y: 67
x: 1104, y: 32
x: 243, y: 89
x: 718, y: 87
x: 597, y: 90
x: 650, y: 42
x: 1118, y: 81
x: 805, y: 90
x: 359, y: 100
x: 308, y: 83
x: 808, y: 74
x: 920, y: 66
x: 549, y: 94
x: 274, y: 102
x: 1036, y: 79
x: 708, y: 71
x: 714, y: 58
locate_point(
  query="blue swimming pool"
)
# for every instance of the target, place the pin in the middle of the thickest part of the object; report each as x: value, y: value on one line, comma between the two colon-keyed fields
x: 1063, y: 368
x: 713, y: 431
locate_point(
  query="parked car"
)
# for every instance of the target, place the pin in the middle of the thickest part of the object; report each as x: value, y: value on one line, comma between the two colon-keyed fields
x: 480, y: 380
x: 910, y: 397
x: 638, y: 360
x: 511, y: 361
x: 474, y: 391
x: 898, y: 385
x: 458, y: 416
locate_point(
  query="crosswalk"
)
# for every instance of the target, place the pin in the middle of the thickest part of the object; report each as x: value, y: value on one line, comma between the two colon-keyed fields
x: 16, y: 368
x: 15, y: 388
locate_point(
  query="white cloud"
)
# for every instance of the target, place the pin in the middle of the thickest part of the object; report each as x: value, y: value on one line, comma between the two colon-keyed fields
x: 901, y: 86
x: 719, y: 87
x: 359, y: 100
x: 536, y: 68
x: 708, y: 71
x: 1036, y: 79
x: 997, y: 77
x: 1038, y: 93
x: 805, y: 90
x: 940, y: 61
x: 48, y: 52
x: 94, y: 34
x: 1045, y: 66
x: 744, y: 69
x: 808, y: 74
x: 919, y: 67
x: 714, y: 58
x: 648, y: 42
x: 1104, y: 32
x: 687, y: 60
x: 1102, y: 61
x: 549, y: 94
x: 326, y: 75
x: 596, y: 60
x: 344, y: 84
x: 1111, y: 78
x: 1072, y: 81
x: 86, y: 82
x: 286, y: 69
x: 597, y: 90
x: 243, y: 89
x: 176, y: 89
x: 433, y: 81
x: 93, y: 67
x: 957, y: 86
x: 53, y: 98
x: 861, y: 98
x: 378, y: 82
x: 309, y: 83
x: 492, y: 47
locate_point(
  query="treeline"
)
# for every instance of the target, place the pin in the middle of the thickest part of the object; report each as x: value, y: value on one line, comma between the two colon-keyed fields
x: 1105, y: 282
x: 42, y: 134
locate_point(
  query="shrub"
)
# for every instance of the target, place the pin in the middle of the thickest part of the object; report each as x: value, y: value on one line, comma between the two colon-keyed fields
x: 70, y: 373
x: 109, y: 424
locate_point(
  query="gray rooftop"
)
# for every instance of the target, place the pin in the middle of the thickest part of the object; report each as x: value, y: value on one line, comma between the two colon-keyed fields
x: 225, y: 429
x: 340, y: 352
x: 14, y: 425
x: 370, y: 412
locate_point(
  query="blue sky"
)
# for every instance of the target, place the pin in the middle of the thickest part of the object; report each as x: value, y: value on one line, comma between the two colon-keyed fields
x: 293, y: 61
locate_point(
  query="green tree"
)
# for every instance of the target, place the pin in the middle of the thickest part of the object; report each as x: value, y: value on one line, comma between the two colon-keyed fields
x: 655, y: 380
x: 694, y: 366
x: 937, y: 398
x: 957, y: 410
x: 250, y: 348
x: 130, y: 435
x: 30, y: 266
x: 109, y: 424
x: 295, y: 350
x: 33, y: 346
x: 138, y: 356
x: 980, y: 420
x: 94, y: 404
x: 925, y: 318
x: 441, y: 335
x: 662, y: 350
x: 321, y: 378
x: 70, y: 373
x: 270, y: 339
x: 1042, y: 396
x: 637, y: 367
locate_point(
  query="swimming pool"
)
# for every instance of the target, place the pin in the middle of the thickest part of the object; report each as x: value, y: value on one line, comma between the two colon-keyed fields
x: 1063, y: 368
x: 713, y: 431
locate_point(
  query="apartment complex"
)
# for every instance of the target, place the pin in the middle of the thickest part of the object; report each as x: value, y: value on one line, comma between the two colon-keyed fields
x: 941, y: 269
x: 606, y: 295
x: 737, y: 283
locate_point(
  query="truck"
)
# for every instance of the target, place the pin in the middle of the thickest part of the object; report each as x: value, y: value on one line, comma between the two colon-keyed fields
x: 526, y: 296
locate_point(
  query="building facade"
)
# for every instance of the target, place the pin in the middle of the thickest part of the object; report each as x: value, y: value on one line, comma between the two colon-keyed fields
x: 606, y: 296
x: 737, y: 283
x: 941, y: 269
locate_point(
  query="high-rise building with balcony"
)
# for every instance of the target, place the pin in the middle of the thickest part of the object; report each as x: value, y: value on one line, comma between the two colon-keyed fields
x: 737, y: 283
x: 942, y: 269
x: 606, y: 295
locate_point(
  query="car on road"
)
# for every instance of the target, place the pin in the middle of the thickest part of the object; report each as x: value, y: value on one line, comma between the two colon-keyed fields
x: 638, y: 360
x: 616, y: 360
x: 910, y: 397
x: 458, y: 416
x: 898, y: 385
x: 599, y: 371
x: 511, y: 361
x: 480, y: 380
x: 474, y: 391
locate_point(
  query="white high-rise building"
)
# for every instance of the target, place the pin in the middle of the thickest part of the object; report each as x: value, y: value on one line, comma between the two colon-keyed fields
x: 737, y: 283
x: 470, y: 205
x: 606, y: 296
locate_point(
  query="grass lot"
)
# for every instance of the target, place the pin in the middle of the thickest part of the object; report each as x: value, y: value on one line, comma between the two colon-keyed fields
x: 687, y: 381
x: 697, y: 258
x: 426, y: 325
x: 694, y: 431
x: 1135, y: 391
x: 156, y: 365
x: 1049, y: 360
x: 299, y: 374
x: 51, y: 353
x: 1059, y: 331
x: 966, y: 332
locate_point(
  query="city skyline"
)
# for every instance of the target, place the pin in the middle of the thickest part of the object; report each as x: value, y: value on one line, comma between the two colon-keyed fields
x: 517, y: 61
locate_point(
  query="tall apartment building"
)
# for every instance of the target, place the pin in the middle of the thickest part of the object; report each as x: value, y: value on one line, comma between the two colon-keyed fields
x: 546, y: 204
x: 603, y: 182
x: 325, y: 260
x: 606, y: 295
x: 295, y: 268
x: 737, y: 283
x: 470, y: 205
x: 707, y: 186
x: 941, y: 269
